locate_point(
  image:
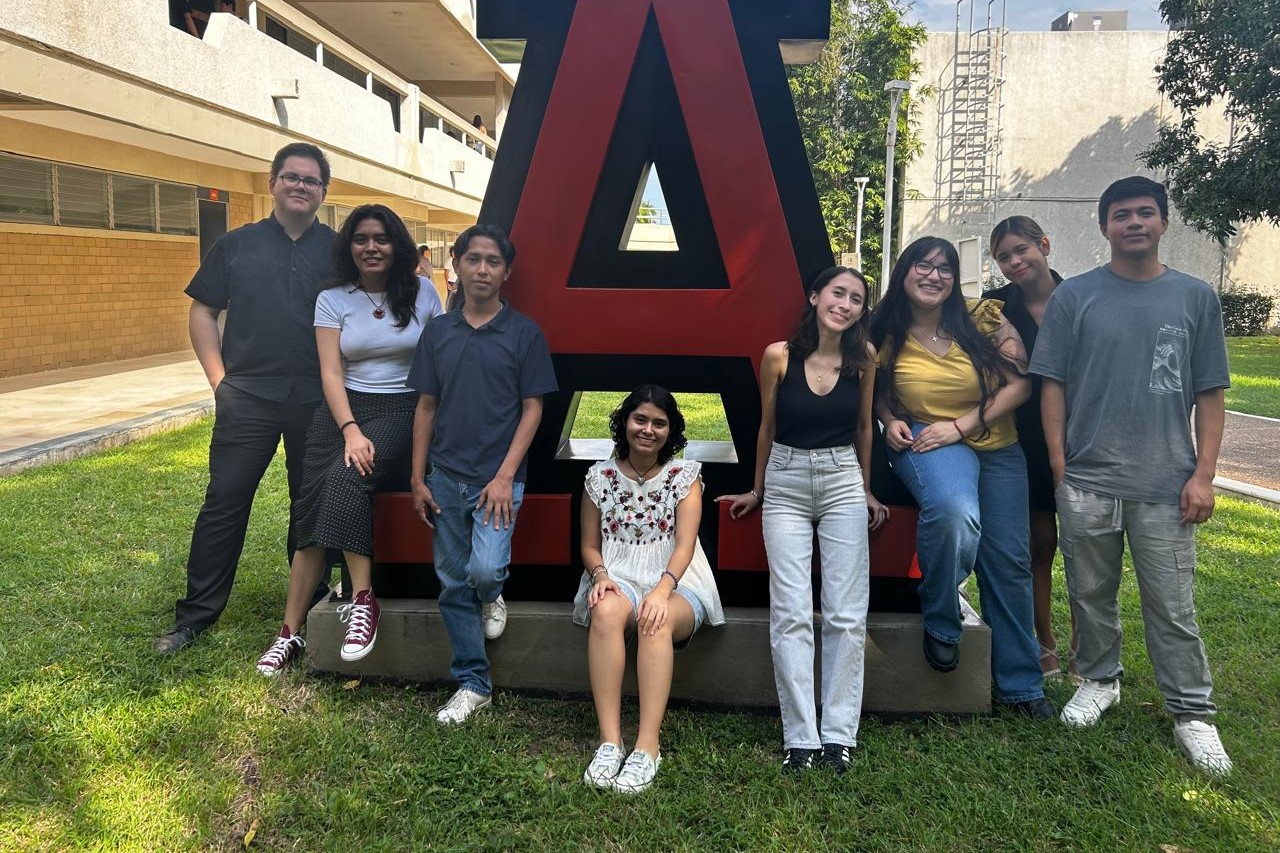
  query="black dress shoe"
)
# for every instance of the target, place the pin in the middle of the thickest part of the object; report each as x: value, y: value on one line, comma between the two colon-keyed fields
x: 1036, y: 709
x: 178, y: 637
x: 943, y: 657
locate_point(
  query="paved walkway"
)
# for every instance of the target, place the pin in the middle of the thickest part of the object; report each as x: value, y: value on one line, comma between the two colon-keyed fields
x: 64, y: 414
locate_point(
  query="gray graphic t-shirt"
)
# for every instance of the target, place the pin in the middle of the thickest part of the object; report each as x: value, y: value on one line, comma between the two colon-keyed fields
x: 1132, y: 355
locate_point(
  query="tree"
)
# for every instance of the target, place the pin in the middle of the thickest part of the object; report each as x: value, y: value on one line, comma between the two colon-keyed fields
x: 1225, y: 52
x: 844, y: 110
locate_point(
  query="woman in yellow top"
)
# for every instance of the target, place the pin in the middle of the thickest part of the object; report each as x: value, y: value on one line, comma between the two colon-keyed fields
x: 950, y: 381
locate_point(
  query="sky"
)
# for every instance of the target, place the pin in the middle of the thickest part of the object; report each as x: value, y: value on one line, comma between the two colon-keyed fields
x: 1021, y: 15
x: 1033, y: 14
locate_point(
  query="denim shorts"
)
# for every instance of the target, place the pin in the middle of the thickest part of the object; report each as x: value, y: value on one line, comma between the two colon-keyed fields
x: 633, y: 595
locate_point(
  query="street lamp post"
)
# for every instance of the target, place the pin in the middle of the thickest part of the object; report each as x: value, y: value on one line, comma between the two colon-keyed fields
x: 896, y: 89
x: 857, y: 225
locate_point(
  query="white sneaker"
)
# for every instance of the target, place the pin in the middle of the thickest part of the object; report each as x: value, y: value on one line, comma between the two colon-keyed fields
x: 1199, y: 741
x: 1091, y: 699
x: 637, y: 774
x: 461, y: 706
x: 495, y: 618
x: 604, y: 766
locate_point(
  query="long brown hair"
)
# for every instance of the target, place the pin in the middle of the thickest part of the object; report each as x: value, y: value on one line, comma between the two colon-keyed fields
x: 853, y: 340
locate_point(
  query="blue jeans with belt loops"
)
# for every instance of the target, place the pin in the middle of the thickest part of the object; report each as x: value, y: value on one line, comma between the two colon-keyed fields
x: 807, y: 491
x: 974, y: 517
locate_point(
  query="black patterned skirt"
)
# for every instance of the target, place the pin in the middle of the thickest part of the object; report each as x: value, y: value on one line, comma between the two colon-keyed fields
x: 335, y: 506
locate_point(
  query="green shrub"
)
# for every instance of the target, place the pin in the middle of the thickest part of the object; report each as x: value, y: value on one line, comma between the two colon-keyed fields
x: 1245, y: 313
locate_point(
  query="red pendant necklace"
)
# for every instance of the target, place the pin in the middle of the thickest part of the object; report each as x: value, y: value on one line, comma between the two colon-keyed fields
x: 378, y: 312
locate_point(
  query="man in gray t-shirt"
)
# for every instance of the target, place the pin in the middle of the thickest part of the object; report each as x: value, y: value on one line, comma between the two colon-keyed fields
x: 1128, y: 352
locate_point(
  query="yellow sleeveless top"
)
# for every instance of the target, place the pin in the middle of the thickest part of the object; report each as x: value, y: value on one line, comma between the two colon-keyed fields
x: 942, y: 388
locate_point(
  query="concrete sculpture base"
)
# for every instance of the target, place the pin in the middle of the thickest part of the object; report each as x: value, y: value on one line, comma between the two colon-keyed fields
x: 542, y: 651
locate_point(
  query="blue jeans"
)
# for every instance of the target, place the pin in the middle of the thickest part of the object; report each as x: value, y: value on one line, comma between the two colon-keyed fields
x: 974, y: 517
x: 471, y: 561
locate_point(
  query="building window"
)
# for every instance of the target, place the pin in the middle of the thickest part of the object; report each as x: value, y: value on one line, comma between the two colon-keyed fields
x: 133, y: 203
x: 83, y: 198
x: 392, y: 97
x: 56, y: 194
x: 342, y: 68
x: 26, y: 190
x: 291, y: 37
x: 177, y: 209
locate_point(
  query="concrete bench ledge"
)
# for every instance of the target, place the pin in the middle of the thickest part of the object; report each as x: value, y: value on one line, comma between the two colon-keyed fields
x: 543, y: 651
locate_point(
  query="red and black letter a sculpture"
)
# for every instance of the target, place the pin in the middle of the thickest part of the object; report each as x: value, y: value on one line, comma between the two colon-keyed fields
x: 696, y: 88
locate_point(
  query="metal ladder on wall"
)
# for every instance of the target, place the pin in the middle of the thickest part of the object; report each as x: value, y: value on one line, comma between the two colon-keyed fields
x: 973, y: 120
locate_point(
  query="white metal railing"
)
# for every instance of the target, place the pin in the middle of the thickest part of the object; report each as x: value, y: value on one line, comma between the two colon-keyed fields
x: 432, y: 114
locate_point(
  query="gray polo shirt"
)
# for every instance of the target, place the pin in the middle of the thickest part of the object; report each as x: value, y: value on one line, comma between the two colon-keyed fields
x: 480, y: 378
x: 1132, y: 356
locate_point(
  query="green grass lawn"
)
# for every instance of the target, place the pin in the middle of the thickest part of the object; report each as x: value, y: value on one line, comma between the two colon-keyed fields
x: 1255, y: 375
x: 703, y: 414
x: 105, y: 747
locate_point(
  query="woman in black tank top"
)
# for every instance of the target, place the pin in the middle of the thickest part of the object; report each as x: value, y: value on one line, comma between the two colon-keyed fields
x: 812, y: 462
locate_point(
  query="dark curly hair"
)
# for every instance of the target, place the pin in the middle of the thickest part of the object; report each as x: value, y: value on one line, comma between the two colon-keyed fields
x: 853, y: 341
x: 402, y: 279
x: 892, y: 318
x: 663, y: 399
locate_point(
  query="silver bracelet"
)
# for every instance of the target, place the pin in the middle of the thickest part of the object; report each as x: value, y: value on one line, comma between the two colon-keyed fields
x: 597, y: 572
x: 757, y: 495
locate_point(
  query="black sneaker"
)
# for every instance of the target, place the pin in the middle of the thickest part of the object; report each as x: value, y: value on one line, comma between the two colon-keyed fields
x: 797, y: 760
x: 1036, y: 709
x: 837, y: 757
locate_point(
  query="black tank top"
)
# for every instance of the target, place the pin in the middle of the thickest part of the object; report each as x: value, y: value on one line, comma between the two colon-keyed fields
x: 808, y: 421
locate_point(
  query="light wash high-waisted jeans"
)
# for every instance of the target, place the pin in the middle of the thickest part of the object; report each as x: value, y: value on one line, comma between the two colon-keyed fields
x: 804, y: 491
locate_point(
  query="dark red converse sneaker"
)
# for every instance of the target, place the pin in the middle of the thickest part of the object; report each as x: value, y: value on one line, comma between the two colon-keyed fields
x: 361, y: 616
x: 283, y: 650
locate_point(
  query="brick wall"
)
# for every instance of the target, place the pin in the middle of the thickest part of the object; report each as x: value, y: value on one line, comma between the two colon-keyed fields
x: 239, y: 210
x: 75, y: 299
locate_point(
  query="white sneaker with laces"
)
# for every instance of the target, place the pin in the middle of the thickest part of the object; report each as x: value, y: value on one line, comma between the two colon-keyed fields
x: 461, y: 706
x: 604, y: 767
x: 495, y: 618
x: 637, y: 773
x: 1090, y: 700
x: 1199, y: 741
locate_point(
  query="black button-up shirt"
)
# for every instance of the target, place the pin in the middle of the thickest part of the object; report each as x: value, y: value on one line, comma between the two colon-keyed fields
x: 268, y: 283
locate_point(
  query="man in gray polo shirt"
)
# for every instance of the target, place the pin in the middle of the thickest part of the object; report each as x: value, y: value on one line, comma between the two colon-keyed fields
x: 481, y: 373
x: 1128, y: 351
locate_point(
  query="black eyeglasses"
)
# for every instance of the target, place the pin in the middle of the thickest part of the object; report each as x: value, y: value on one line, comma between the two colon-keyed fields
x: 291, y: 180
x: 924, y: 268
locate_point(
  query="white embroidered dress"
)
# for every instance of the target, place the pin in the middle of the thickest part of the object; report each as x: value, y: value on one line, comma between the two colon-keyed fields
x: 638, y: 533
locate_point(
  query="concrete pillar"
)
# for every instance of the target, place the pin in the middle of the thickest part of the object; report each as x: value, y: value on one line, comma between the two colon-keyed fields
x: 410, y: 109
x: 501, y: 103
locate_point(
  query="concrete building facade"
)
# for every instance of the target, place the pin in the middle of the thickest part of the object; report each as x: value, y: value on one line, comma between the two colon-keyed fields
x: 1065, y: 114
x: 127, y: 146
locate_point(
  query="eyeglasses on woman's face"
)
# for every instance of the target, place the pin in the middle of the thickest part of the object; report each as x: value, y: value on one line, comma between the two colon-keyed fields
x: 924, y: 269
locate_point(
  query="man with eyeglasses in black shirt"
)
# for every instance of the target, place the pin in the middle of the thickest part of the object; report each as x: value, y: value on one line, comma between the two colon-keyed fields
x: 262, y: 367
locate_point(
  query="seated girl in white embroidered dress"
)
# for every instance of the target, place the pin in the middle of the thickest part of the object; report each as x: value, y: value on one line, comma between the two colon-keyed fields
x: 645, y: 572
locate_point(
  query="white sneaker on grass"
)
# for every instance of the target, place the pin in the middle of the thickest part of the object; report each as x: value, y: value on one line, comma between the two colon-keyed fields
x: 637, y: 773
x: 495, y: 618
x: 1091, y: 698
x: 461, y: 706
x: 1199, y: 741
x: 604, y: 767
